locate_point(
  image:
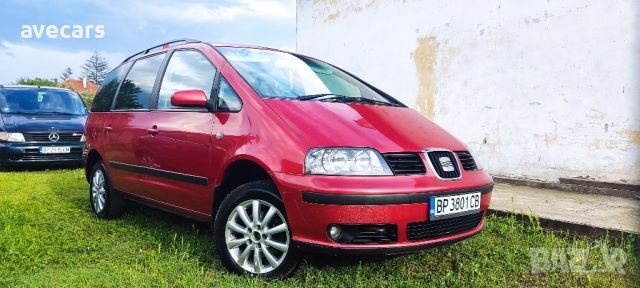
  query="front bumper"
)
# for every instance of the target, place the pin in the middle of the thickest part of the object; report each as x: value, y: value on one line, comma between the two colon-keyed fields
x: 386, y: 250
x: 28, y: 153
x: 313, y: 203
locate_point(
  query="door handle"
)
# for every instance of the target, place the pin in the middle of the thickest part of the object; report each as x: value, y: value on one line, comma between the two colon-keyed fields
x: 153, y: 131
x: 108, y: 129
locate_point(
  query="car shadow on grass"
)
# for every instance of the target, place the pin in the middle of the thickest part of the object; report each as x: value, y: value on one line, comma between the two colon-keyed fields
x: 180, y: 235
x: 311, y: 259
x: 150, y: 217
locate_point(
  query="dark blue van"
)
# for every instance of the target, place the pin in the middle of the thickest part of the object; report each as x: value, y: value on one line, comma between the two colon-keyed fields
x: 40, y: 125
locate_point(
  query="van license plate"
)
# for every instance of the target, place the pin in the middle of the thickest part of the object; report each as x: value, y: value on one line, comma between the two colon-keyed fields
x: 55, y: 150
x: 441, y: 207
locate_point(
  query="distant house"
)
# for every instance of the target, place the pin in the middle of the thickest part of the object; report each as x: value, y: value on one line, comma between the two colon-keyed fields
x: 81, y: 85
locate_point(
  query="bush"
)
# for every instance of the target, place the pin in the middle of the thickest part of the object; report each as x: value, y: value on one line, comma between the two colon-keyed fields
x: 39, y: 82
x: 87, y: 98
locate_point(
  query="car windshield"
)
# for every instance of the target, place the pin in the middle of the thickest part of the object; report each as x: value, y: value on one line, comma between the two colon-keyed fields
x: 40, y: 100
x: 275, y: 74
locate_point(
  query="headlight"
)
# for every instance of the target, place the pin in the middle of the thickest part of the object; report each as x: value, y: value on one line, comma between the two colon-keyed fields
x: 11, y: 137
x: 345, y: 161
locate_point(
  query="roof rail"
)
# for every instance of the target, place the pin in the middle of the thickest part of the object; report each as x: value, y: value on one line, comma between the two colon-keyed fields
x: 143, y: 52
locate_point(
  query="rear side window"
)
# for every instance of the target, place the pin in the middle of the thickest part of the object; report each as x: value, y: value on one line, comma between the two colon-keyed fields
x: 135, y: 91
x: 187, y: 70
x: 228, y: 100
x: 104, y: 98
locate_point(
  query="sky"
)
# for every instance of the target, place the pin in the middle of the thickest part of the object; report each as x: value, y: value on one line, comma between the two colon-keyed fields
x: 129, y: 27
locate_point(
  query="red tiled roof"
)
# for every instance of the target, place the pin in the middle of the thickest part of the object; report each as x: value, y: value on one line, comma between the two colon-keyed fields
x: 76, y: 85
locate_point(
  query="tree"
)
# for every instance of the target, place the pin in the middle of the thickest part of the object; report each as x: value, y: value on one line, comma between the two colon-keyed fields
x: 38, y: 82
x: 66, y: 74
x: 95, y: 68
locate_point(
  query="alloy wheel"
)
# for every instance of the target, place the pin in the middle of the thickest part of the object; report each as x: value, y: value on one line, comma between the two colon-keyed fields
x: 257, y: 236
x: 98, y: 192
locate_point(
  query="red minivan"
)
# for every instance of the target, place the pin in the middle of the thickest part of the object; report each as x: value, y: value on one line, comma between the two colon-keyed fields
x: 282, y: 152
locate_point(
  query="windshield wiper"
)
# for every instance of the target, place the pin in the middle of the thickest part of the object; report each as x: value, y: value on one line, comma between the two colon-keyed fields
x: 322, y: 96
x: 329, y: 97
x: 371, y: 101
x: 346, y: 99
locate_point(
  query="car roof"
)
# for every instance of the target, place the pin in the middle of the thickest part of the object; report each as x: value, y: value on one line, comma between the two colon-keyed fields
x: 182, y: 42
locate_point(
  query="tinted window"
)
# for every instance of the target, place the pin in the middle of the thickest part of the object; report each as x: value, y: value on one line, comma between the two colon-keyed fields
x: 104, y: 98
x: 40, y: 101
x: 187, y: 70
x: 228, y: 100
x: 135, y: 91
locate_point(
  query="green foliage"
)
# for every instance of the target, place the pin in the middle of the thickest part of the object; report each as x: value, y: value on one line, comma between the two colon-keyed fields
x: 38, y: 82
x: 87, y: 98
x: 49, y: 238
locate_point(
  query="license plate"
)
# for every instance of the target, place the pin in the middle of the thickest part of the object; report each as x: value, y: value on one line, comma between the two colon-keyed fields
x: 55, y: 150
x: 441, y: 207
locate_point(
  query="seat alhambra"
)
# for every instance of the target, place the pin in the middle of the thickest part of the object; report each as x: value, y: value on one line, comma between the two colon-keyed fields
x: 281, y: 152
x: 40, y: 125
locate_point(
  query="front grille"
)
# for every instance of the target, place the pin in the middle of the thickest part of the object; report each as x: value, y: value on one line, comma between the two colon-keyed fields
x: 405, y: 163
x: 445, y: 164
x: 44, y: 137
x: 33, y: 154
x: 435, y: 229
x: 468, y: 163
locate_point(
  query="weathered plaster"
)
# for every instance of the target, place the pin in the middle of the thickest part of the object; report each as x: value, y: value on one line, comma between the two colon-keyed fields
x: 424, y: 58
x: 537, y: 89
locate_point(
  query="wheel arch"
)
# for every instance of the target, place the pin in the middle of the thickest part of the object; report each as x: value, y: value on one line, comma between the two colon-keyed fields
x: 239, y: 171
x: 93, y: 157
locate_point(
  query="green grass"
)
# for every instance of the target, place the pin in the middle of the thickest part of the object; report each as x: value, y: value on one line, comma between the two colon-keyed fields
x: 48, y: 238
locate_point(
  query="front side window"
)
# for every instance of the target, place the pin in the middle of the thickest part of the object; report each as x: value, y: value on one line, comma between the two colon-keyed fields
x: 274, y: 74
x: 135, y: 91
x: 40, y: 101
x: 187, y: 70
x: 228, y: 100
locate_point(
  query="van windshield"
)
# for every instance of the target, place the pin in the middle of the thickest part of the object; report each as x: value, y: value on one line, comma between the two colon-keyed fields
x: 40, y: 101
x: 274, y: 74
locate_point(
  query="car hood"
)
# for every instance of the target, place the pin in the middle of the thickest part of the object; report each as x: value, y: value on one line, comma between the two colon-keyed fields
x: 42, y: 122
x: 385, y: 128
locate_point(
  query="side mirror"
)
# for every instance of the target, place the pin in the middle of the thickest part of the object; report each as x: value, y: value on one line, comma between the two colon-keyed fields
x: 189, y: 98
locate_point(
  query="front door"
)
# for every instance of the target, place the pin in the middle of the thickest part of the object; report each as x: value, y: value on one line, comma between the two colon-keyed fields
x: 179, y: 148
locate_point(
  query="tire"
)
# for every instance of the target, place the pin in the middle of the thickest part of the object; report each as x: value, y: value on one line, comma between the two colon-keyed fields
x: 236, y: 236
x: 106, y: 203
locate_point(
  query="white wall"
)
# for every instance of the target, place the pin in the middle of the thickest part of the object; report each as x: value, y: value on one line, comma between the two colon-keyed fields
x: 537, y: 89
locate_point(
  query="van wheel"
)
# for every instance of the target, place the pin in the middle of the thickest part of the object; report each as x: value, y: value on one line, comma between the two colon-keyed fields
x: 106, y: 203
x: 251, y: 232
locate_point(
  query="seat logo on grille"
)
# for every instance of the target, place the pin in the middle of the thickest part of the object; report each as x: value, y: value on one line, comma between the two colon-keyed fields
x: 446, y: 164
x: 53, y: 134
